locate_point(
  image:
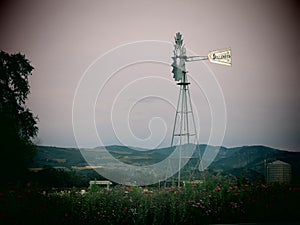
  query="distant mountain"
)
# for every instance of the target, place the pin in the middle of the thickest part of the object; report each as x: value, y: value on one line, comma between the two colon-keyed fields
x: 254, y: 158
x: 240, y: 161
x: 57, y: 157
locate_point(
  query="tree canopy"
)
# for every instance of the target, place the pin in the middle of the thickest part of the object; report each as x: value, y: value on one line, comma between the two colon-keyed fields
x: 18, y: 123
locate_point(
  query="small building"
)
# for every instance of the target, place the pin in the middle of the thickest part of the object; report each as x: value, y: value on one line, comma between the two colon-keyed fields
x: 100, y: 182
x: 278, y: 172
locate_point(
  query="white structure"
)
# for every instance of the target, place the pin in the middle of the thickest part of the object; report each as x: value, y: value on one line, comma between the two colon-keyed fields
x: 278, y: 172
x: 100, y: 182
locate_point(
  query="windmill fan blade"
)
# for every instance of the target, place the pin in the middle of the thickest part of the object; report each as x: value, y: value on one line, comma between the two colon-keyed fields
x: 178, y: 70
x: 177, y: 74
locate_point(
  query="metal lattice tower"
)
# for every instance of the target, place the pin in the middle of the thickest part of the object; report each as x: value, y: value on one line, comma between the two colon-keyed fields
x: 186, y: 131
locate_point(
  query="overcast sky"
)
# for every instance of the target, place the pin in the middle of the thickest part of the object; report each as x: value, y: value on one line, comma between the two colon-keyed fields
x: 63, y: 38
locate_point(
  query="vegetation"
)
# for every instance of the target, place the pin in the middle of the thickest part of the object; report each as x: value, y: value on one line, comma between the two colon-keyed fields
x: 50, y: 177
x: 18, y: 124
x: 210, y: 202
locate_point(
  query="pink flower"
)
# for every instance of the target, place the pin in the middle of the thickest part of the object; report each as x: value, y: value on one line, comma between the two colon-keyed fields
x: 218, y: 188
x: 1, y: 194
x: 296, y: 189
x: 19, y: 196
x: 130, y: 199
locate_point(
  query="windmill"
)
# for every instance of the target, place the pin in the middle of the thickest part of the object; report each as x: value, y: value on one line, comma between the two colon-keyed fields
x: 185, y: 130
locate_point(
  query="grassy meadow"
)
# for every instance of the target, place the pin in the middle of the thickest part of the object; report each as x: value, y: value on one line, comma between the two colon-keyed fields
x: 206, y: 203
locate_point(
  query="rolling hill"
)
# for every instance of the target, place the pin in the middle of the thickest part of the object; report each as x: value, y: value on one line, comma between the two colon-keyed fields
x: 244, y: 160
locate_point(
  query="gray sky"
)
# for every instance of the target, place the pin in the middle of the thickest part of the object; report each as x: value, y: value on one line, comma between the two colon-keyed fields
x: 63, y: 38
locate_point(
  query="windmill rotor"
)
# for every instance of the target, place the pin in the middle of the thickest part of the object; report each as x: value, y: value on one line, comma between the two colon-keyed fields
x: 178, y: 64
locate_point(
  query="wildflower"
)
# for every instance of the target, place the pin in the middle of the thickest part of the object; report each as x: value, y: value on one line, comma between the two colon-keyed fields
x: 19, y: 196
x: 208, y: 212
x: 218, y: 188
x: 130, y: 199
x: 133, y: 211
x: 296, y: 189
x: 1, y: 194
x: 195, y: 205
x: 234, y: 205
x: 233, y: 187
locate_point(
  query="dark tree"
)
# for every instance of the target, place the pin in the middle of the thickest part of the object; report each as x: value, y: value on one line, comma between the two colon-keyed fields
x: 18, y: 125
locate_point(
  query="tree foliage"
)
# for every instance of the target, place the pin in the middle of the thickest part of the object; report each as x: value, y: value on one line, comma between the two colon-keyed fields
x: 18, y: 124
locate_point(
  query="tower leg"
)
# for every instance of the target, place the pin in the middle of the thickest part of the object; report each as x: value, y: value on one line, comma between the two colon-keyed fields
x: 175, y: 120
x: 184, y: 127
